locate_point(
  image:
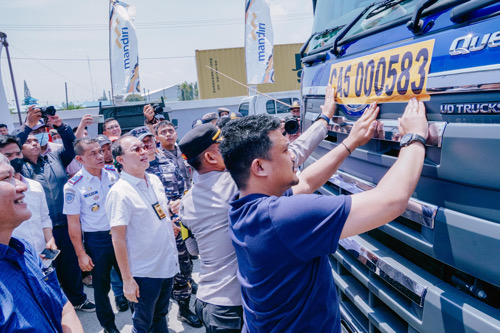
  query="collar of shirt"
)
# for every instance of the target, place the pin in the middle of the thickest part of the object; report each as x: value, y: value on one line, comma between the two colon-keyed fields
x: 89, y: 177
x: 141, y: 183
x: 208, y: 175
x: 14, y: 245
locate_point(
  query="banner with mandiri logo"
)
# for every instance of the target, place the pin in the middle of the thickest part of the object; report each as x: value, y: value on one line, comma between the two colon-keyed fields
x: 123, y: 50
x: 259, y: 42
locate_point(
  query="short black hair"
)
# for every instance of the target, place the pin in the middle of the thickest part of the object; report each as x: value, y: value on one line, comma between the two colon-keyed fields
x: 8, y: 139
x: 162, y: 124
x: 116, y: 147
x: 195, y: 162
x: 108, y: 120
x: 78, y: 145
x: 244, y: 140
x: 3, y: 125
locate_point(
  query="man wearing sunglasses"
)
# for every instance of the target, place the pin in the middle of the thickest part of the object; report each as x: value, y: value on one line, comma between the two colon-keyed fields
x: 143, y: 238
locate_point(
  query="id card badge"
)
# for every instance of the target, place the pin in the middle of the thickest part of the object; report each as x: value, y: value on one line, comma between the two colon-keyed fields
x: 159, y: 211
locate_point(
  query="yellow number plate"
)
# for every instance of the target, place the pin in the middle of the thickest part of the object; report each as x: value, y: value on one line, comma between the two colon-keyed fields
x: 395, y: 75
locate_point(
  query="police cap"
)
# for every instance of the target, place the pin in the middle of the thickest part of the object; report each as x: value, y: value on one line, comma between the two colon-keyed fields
x: 198, y: 139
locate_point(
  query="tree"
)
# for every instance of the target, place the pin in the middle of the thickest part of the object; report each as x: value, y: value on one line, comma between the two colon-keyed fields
x: 134, y: 98
x: 188, y: 91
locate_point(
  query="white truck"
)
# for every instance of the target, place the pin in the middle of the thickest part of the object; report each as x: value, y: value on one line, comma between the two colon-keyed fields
x: 259, y: 103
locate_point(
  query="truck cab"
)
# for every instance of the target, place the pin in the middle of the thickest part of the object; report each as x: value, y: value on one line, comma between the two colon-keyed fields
x: 436, y: 267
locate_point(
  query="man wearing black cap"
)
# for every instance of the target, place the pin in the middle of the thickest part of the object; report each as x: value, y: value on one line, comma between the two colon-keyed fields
x: 204, y: 211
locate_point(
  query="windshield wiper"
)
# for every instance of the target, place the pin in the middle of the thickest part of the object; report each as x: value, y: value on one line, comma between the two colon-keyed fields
x: 416, y: 25
x: 324, y: 32
x: 335, y: 50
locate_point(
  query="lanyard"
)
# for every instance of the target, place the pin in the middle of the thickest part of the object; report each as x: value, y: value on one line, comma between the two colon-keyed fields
x: 155, y: 204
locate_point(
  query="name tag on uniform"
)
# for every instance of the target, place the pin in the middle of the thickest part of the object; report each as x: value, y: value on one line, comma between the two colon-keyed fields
x: 86, y: 195
x: 159, y: 211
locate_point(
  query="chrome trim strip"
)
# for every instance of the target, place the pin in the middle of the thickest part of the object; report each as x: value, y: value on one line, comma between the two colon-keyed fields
x: 417, y: 211
x: 389, y: 131
x: 389, y: 273
x: 466, y: 70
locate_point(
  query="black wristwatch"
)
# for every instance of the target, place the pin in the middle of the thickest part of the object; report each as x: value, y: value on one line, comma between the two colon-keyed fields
x: 409, y: 138
x: 322, y: 116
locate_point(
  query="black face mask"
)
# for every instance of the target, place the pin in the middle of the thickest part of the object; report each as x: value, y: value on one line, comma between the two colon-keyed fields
x: 17, y: 164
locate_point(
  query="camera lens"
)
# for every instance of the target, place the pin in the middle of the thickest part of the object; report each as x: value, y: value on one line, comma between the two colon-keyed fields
x: 291, y: 125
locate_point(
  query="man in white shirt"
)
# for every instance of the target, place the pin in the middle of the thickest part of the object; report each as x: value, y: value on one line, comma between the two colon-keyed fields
x: 38, y: 229
x: 84, y: 198
x: 143, y: 236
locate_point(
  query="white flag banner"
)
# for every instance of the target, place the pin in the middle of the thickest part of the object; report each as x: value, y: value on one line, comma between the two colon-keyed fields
x: 5, y: 117
x: 123, y: 50
x: 259, y: 42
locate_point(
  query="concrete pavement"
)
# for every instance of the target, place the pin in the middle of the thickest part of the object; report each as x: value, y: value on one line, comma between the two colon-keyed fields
x: 123, y: 320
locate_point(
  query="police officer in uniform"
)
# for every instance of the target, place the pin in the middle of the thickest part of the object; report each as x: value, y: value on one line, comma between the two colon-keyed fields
x: 84, y: 198
x: 170, y: 175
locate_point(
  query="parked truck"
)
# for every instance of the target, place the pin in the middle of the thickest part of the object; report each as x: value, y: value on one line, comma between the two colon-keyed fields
x: 436, y: 268
x: 258, y: 103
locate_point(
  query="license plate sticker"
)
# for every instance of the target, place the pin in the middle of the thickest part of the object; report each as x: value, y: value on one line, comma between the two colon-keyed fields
x: 395, y: 75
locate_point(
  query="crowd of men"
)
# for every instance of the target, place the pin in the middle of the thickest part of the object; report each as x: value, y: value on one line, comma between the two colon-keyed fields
x: 135, y: 208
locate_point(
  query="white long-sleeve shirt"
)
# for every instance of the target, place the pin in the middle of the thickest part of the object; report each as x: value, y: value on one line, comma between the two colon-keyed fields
x: 32, y: 229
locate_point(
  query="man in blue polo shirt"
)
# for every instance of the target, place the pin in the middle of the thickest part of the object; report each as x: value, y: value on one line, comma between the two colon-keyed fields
x: 283, y: 234
x: 30, y: 296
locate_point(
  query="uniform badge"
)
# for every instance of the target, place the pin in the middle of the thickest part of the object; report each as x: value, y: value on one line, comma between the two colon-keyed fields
x: 94, y: 207
x: 96, y: 197
x: 69, y: 197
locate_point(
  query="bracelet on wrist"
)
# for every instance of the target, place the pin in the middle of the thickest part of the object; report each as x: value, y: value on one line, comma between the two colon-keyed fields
x: 347, y: 148
x: 322, y: 116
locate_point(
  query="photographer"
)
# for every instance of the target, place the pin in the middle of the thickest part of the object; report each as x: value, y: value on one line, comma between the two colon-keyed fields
x: 292, y: 123
x: 49, y: 171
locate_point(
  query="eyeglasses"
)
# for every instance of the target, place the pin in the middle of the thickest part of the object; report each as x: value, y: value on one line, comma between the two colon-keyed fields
x: 149, y: 141
x: 139, y: 148
x: 113, y: 127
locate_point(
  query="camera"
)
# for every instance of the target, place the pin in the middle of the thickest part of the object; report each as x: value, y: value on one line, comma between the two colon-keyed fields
x: 291, y: 125
x: 157, y: 108
x: 48, y: 111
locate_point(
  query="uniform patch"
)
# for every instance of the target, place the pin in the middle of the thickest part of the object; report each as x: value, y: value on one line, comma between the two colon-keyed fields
x: 69, y: 197
x: 86, y: 195
x: 75, y: 179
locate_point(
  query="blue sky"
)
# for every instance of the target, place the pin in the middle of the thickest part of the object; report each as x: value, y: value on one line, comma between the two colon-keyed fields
x: 57, y: 29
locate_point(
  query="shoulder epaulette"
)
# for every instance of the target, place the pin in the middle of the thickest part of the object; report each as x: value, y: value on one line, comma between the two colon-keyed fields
x: 75, y: 179
x: 109, y: 167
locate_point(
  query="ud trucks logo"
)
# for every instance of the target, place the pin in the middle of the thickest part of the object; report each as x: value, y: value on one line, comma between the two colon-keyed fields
x: 470, y: 43
x: 471, y: 108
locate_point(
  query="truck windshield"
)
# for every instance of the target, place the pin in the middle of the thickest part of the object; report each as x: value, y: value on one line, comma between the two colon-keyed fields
x: 334, y: 14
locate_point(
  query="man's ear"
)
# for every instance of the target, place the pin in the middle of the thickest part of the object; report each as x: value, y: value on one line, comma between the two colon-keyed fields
x: 119, y: 159
x: 260, y: 167
x: 79, y: 159
x: 208, y: 156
